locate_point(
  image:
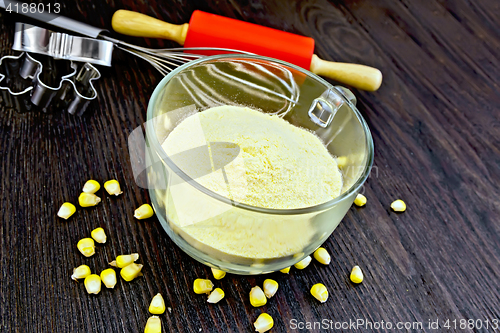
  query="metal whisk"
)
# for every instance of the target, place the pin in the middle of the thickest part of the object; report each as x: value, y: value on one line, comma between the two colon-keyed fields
x: 166, y: 60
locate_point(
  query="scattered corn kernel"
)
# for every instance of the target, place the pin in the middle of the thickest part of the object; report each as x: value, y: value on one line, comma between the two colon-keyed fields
x: 67, y: 209
x: 88, y: 199
x: 360, y: 200
x: 270, y: 287
x: 124, y: 260
x: 98, y: 235
x: 285, y: 270
x: 112, y: 187
x: 144, y: 212
x: 303, y: 263
x: 93, y: 284
x: 157, y: 305
x: 257, y: 297
x: 263, y: 323
x: 356, y: 275
x: 108, y: 277
x: 215, y: 296
x: 218, y: 274
x: 322, y: 255
x: 91, y: 186
x: 131, y: 271
x: 81, y: 272
x: 319, y: 292
x: 341, y: 161
x: 202, y: 286
x: 153, y: 325
x: 86, y: 246
x: 398, y: 206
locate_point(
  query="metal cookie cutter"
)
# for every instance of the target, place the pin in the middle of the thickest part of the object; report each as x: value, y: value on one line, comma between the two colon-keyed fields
x: 23, y: 88
x: 30, y: 38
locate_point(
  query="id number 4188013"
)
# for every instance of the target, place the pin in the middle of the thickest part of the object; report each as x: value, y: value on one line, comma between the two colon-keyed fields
x: 471, y: 324
x: 27, y: 8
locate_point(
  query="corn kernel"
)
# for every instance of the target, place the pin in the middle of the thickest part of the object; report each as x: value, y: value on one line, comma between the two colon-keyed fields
x: 319, y: 292
x: 270, y: 287
x: 218, y: 274
x: 92, y: 284
x: 153, y: 325
x: 88, y: 199
x: 86, y: 246
x: 285, y: 270
x: 257, y: 297
x: 67, y: 209
x: 91, y: 186
x: 303, y: 263
x: 98, y: 235
x: 202, y: 286
x: 398, y: 206
x: 124, y: 260
x: 263, y: 323
x: 215, y: 296
x: 143, y: 212
x: 112, y: 187
x: 322, y: 256
x: 341, y: 161
x: 360, y: 200
x: 356, y: 275
x: 108, y: 277
x: 131, y: 271
x: 157, y: 305
x: 81, y: 272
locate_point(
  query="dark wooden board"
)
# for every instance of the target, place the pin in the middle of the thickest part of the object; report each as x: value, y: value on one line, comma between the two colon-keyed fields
x: 436, y: 128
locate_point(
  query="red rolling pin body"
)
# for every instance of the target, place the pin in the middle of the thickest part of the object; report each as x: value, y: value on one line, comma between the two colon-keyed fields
x: 210, y: 30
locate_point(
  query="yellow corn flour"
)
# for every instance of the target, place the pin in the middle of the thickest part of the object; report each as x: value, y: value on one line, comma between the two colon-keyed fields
x: 256, y: 159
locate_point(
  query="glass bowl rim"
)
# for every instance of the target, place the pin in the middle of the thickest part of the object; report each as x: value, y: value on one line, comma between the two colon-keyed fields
x: 152, y: 140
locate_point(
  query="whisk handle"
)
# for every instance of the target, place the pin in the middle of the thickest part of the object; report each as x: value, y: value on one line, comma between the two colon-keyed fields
x: 359, y: 76
x: 136, y: 24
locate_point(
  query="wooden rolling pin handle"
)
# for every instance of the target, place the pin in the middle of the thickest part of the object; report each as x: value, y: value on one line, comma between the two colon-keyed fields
x: 357, y: 76
x: 136, y: 24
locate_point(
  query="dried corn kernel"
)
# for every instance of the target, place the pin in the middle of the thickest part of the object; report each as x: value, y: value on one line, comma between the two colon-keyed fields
x: 131, y: 271
x: 257, y: 297
x: 263, y: 323
x: 218, y: 274
x: 98, y: 235
x: 124, y: 260
x: 86, y: 246
x: 270, y: 287
x: 67, y: 209
x: 108, y: 277
x: 91, y: 186
x: 356, y: 275
x: 157, y: 305
x: 398, y: 206
x: 319, y: 292
x: 303, y: 263
x: 202, y: 286
x: 153, y: 325
x: 81, y: 272
x: 322, y: 255
x: 285, y: 270
x: 112, y: 187
x: 143, y: 212
x: 215, y: 296
x: 88, y: 199
x: 360, y: 200
x: 93, y: 284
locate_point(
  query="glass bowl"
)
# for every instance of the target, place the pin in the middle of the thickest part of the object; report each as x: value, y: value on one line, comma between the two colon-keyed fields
x: 227, y: 234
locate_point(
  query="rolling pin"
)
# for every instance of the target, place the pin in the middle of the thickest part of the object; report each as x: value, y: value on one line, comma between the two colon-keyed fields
x: 210, y: 30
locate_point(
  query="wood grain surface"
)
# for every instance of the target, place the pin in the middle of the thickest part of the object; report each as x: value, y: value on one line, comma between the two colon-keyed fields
x: 436, y: 128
